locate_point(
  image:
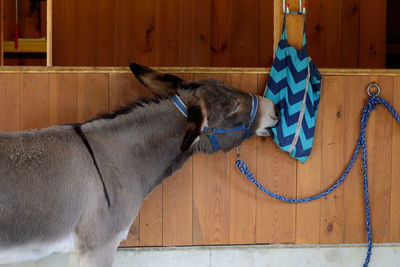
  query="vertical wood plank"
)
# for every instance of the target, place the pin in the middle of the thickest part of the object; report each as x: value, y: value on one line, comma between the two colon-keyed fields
x: 350, y: 33
x: 135, y: 32
x: 186, y: 11
x: 34, y: 101
x: 151, y: 219
x: 211, y: 192
x: 354, y: 221
x: 92, y: 95
x: 372, y: 38
x: 243, y: 193
x: 10, y: 90
x: 65, y: 36
x: 178, y: 203
x: 177, y: 207
x: 332, y: 228
x: 395, y: 186
x: 220, y: 33
x: 244, y: 40
x: 86, y: 14
x: 379, y: 142
x: 201, y: 33
x: 63, y: 98
x: 105, y: 35
x: 168, y: 33
x: 266, y: 36
x: 308, y: 184
x: 324, y: 31
x: 275, y: 220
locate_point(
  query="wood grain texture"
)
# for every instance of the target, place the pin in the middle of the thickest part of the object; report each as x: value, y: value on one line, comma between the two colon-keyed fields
x: 135, y: 32
x: 275, y: 220
x: 10, y: 108
x: 354, y: 221
x: 162, y: 32
x: 324, y: 31
x: 167, y: 44
x: 151, y: 219
x: 332, y: 162
x: 201, y: 42
x: 211, y: 192
x: 185, y: 27
x: 63, y: 97
x: 308, y: 184
x: 379, y: 142
x: 221, y: 32
x: 209, y: 202
x: 34, y: 101
x: 395, y: 185
x: 266, y: 38
x: 200, y: 33
x: 245, y: 39
x: 92, y: 95
x: 177, y: 207
x: 350, y: 30
x: 372, y: 38
x: 242, y: 201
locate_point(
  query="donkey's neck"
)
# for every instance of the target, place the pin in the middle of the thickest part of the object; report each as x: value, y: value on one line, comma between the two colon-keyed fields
x: 143, y: 143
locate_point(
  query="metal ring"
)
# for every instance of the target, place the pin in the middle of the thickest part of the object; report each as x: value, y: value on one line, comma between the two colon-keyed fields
x: 378, y: 88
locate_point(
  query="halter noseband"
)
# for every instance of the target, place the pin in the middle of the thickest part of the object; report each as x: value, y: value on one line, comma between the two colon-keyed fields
x: 210, y: 131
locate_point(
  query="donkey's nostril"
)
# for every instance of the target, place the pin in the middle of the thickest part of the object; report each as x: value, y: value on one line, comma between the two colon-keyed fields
x: 277, y: 113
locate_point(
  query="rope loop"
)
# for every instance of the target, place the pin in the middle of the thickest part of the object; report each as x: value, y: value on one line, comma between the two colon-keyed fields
x: 361, y: 144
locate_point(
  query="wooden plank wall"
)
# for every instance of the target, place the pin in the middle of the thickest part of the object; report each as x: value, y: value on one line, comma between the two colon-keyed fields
x: 208, y: 201
x: 341, y: 33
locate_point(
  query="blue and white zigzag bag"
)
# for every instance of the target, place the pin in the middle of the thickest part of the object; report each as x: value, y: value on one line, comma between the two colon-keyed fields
x: 294, y: 86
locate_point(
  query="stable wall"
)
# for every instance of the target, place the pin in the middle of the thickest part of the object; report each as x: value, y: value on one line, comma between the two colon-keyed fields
x: 228, y: 33
x: 208, y: 201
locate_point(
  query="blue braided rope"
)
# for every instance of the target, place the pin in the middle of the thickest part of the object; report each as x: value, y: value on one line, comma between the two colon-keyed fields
x: 361, y: 143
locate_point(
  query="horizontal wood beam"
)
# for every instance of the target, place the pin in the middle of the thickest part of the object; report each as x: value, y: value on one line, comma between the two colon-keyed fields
x: 25, y: 46
x: 324, y: 71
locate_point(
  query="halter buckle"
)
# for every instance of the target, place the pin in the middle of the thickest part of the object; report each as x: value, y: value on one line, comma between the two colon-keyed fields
x: 238, y: 152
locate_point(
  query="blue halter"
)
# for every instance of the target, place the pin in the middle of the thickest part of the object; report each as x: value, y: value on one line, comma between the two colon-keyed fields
x: 210, y: 131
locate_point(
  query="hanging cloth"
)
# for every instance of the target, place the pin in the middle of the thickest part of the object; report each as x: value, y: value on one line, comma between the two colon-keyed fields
x: 294, y: 85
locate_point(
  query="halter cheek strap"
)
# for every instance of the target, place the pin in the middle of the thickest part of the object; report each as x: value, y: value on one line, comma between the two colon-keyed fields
x: 210, y: 131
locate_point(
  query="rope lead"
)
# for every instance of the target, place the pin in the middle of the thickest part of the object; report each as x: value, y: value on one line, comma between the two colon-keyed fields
x: 361, y: 143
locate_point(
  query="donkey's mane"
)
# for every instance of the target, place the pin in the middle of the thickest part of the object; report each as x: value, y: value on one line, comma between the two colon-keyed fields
x: 122, y: 110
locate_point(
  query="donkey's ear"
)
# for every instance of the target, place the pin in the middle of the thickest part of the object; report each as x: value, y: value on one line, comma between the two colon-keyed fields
x: 193, y: 127
x: 161, y: 83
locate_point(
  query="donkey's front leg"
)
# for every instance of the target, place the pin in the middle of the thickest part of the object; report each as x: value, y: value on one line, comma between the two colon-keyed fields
x: 101, y: 256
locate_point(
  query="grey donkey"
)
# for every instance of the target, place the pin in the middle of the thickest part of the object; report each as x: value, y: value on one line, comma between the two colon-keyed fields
x: 78, y: 188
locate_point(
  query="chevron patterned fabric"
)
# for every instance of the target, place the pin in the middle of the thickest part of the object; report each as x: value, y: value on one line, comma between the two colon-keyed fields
x: 294, y: 86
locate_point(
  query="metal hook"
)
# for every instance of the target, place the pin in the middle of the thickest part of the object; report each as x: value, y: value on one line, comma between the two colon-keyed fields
x: 378, y: 88
x: 286, y: 8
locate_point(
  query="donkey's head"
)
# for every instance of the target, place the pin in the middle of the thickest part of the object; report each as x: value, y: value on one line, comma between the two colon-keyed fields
x: 218, y: 115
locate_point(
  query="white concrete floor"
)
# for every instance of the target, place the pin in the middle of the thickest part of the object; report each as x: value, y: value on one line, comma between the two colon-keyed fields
x: 385, y: 255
